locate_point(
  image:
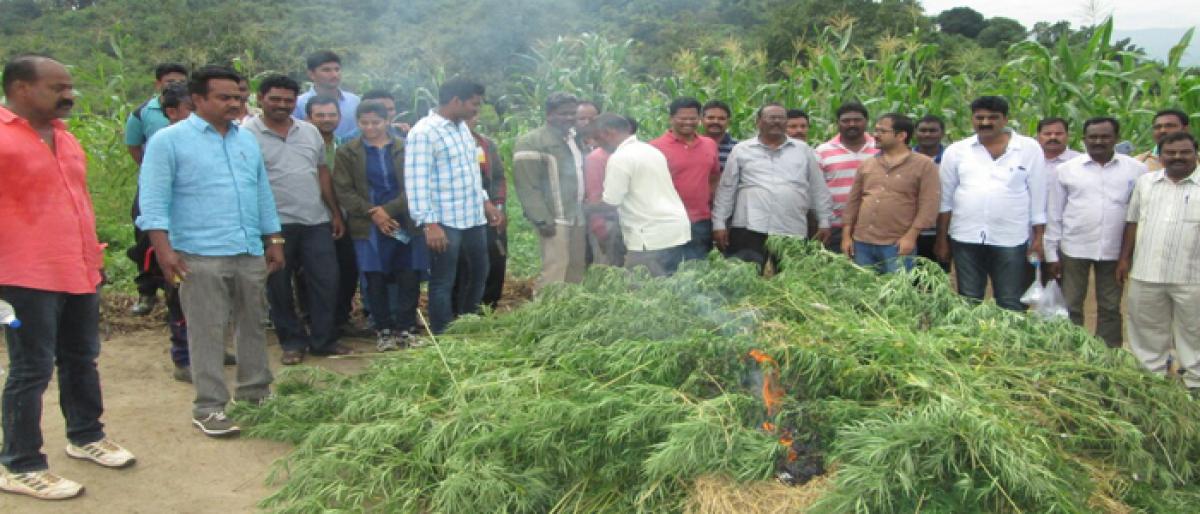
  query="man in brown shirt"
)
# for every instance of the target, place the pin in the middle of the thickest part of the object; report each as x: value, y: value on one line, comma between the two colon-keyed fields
x: 895, y: 195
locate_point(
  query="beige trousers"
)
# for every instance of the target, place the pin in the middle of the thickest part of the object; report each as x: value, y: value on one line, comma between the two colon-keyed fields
x: 564, y: 256
x: 1161, y: 317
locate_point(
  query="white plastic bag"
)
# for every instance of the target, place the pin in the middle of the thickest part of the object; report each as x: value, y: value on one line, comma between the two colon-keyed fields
x: 1052, y: 304
x: 1033, y: 295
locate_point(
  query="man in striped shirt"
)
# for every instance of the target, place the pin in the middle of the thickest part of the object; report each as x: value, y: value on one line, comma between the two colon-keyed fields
x: 840, y: 158
x: 1160, y: 260
x: 715, y: 116
x: 447, y: 200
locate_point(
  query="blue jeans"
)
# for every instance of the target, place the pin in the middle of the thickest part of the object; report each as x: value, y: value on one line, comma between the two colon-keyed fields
x: 311, y: 248
x: 884, y: 258
x: 701, y: 242
x: 1005, y: 265
x: 471, y: 245
x: 57, y: 330
x: 393, y: 299
x: 659, y: 263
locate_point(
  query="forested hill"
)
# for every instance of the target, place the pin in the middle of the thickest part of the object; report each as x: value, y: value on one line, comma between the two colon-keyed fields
x: 403, y: 43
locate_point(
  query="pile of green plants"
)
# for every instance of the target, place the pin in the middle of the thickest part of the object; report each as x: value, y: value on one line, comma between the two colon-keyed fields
x: 618, y: 394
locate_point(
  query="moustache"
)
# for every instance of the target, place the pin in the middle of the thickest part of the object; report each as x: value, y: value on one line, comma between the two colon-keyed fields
x: 1054, y: 142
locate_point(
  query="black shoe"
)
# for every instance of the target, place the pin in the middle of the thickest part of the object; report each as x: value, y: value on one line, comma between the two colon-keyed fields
x: 182, y: 374
x: 144, y: 305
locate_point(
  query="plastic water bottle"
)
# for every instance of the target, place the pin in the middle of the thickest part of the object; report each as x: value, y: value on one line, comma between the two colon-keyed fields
x: 8, y: 316
x: 402, y: 236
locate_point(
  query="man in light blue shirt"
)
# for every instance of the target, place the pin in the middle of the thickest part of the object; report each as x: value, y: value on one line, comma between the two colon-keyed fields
x: 446, y: 198
x: 208, y: 207
x: 325, y: 72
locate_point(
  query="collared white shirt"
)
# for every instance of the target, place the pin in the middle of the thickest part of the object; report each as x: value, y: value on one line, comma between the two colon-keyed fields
x: 1087, y: 207
x: 1052, y: 166
x: 638, y: 182
x: 994, y: 201
x: 1167, y: 250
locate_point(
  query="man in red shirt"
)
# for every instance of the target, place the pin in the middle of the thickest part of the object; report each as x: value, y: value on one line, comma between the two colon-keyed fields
x: 51, y: 275
x: 695, y: 169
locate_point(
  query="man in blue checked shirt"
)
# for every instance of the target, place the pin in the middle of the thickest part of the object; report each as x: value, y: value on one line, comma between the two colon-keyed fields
x: 447, y: 200
x: 208, y: 207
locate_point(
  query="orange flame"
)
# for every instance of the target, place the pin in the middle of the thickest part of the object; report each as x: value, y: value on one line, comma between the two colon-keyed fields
x: 772, y: 394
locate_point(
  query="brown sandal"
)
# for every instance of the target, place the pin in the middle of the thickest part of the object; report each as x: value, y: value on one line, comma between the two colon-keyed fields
x: 291, y: 358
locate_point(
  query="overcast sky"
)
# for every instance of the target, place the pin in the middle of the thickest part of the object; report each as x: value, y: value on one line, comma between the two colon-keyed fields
x: 1127, y: 14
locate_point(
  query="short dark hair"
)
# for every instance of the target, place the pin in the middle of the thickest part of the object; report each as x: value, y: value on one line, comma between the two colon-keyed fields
x: 198, y: 83
x: 901, y: 123
x: 1103, y: 119
x: 633, y: 124
x: 316, y: 59
x: 851, y: 107
x: 796, y: 113
x: 378, y: 94
x: 173, y: 95
x: 1183, y: 117
x: 990, y: 103
x: 683, y: 102
x: 278, y: 81
x: 558, y: 99
x: 610, y: 121
x: 460, y: 88
x: 716, y: 104
x: 320, y: 100
x: 165, y: 68
x: 1045, y: 122
x: 932, y: 118
x: 1178, y: 136
x: 371, y: 108
x: 21, y: 68
x: 758, y: 113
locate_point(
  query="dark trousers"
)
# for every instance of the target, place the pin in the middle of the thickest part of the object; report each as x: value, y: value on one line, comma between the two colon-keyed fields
x: 309, y: 247
x: 347, y: 267
x: 925, y: 243
x: 493, y: 288
x: 1004, y: 265
x: 177, y: 324
x: 834, y: 244
x: 57, y: 331
x: 148, y: 280
x: 394, y: 311
x: 701, y: 242
x: 747, y: 245
x: 469, y: 244
x: 1075, y: 273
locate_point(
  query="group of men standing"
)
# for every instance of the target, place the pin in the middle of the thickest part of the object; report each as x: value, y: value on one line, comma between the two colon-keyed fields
x: 233, y: 207
x: 996, y: 204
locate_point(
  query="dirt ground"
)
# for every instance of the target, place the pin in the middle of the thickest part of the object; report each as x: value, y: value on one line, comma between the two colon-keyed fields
x: 179, y: 470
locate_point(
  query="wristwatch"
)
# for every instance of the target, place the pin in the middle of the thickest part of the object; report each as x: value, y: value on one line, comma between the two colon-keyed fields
x: 276, y: 240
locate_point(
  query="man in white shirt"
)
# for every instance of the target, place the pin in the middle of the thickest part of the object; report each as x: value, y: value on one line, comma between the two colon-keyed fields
x: 993, y: 191
x: 1088, y: 198
x: 1160, y: 258
x: 638, y: 182
x: 1053, y: 134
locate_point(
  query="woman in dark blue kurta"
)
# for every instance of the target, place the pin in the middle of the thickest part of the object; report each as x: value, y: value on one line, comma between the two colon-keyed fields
x: 391, y: 254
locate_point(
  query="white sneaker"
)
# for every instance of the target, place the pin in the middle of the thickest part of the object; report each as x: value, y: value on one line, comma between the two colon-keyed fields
x: 43, y: 485
x: 103, y: 452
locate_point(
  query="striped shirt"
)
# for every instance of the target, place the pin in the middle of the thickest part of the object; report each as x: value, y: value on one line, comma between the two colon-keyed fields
x: 724, y: 146
x: 1167, y: 249
x: 441, y: 174
x: 840, y: 165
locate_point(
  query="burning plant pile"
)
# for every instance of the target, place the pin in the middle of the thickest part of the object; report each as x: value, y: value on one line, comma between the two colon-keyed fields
x: 624, y: 393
